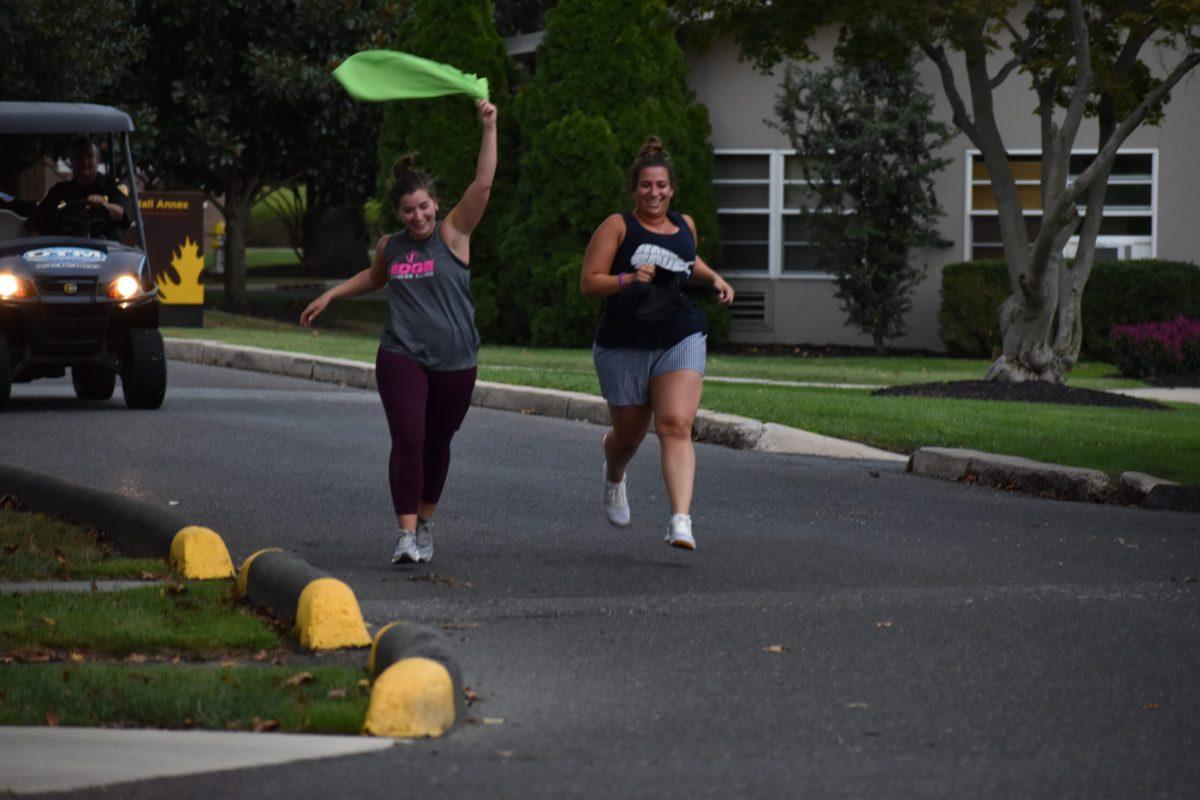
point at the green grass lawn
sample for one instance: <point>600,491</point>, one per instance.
<point>35,547</point>
<point>1166,444</point>
<point>261,257</point>
<point>221,697</point>
<point>194,618</point>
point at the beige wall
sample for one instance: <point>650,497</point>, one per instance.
<point>802,310</point>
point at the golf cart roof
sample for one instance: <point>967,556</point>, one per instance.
<point>26,118</point>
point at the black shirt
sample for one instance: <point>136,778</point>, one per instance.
<point>45,217</point>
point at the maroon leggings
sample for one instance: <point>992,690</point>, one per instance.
<point>424,408</point>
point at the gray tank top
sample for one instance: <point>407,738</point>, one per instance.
<point>431,316</point>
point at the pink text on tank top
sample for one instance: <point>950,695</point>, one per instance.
<point>412,267</point>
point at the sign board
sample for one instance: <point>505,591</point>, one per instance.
<point>174,223</point>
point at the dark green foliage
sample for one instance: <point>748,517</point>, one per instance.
<point>232,101</point>
<point>609,74</point>
<point>557,206</point>
<point>43,55</point>
<point>1117,292</point>
<point>445,131</point>
<point>864,136</point>
<point>968,317</point>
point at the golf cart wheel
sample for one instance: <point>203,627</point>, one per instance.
<point>144,369</point>
<point>93,381</point>
<point>5,373</point>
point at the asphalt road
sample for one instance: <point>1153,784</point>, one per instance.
<point>937,640</point>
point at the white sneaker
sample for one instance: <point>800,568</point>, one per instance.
<point>425,540</point>
<point>406,549</point>
<point>679,532</point>
<point>616,504</point>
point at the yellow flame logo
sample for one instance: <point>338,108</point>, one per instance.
<point>187,264</point>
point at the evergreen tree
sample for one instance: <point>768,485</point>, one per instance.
<point>445,131</point>
<point>610,73</point>
<point>864,137</point>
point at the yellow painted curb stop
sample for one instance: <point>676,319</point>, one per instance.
<point>328,617</point>
<point>200,554</point>
<point>413,698</point>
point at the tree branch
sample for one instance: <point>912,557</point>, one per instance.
<point>1103,160</point>
<point>959,109</point>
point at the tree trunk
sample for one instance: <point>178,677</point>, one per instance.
<point>334,240</point>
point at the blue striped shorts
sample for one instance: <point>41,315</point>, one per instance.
<point>625,372</point>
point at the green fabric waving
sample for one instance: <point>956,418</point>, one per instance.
<point>378,75</point>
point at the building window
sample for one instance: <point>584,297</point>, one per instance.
<point>761,197</point>
<point>1126,228</point>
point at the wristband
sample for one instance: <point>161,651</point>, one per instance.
<point>620,285</point>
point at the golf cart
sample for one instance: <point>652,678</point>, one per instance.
<point>72,295</point>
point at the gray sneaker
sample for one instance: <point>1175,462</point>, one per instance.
<point>406,549</point>
<point>425,540</point>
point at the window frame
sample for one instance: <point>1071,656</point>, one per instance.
<point>1121,242</point>
<point>775,212</point>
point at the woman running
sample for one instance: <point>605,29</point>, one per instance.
<point>650,344</point>
<point>426,363</point>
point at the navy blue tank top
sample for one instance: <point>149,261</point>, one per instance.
<point>675,252</point>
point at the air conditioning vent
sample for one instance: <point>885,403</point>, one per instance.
<point>749,309</point>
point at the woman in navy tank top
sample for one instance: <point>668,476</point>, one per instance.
<point>650,344</point>
<point>426,363</point>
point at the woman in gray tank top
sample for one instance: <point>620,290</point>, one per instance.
<point>425,365</point>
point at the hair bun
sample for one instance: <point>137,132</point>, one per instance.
<point>404,163</point>
<point>652,147</point>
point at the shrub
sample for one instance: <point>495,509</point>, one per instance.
<point>1148,349</point>
<point>1117,292</point>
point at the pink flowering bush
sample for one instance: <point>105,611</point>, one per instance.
<point>1147,349</point>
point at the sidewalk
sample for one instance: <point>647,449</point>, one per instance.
<point>67,759</point>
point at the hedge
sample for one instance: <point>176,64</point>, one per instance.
<point>1118,292</point>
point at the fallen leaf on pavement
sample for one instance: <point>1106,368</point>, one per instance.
<point>265,725</point>
<point>299,678</point>
<point>775,648</point>
<point>471,697</point>
<point>857,705</point>
<point>886,623</point>
<point>1152,706</point>
<point>493,720</point>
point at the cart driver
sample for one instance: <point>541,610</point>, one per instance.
<point>88,204</point>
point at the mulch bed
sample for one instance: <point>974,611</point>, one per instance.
<point>1027,392</point>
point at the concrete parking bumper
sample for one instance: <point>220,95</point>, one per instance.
<point>138,528</point>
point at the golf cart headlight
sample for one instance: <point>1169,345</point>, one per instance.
<point>124,288</point>
<point>11,286</point>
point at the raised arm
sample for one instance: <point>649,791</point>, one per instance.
<point>464,217</point>
<point>370,279</point>
<point>703,272</point>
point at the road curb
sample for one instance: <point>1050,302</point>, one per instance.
<point>711,427</point>
<point>416,683</point>
<point>323,610</point>
<point>1053,480</point>
<point>137,527</point>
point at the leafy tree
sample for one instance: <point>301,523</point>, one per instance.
<point>43,55</point>
<point>240,103</point>
<point>445,130</point>
<point>1112,60</point>
<point>863,136</point>
<point>612,65</point>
